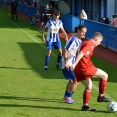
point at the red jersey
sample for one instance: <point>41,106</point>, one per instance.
<point>85,68</point>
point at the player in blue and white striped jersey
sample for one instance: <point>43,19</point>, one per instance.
<point>70,50</point>
<point>54,24</point>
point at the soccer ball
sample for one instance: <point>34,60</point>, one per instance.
<point>112,107</point>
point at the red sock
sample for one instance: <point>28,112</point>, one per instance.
<point>102,87</point>
<point>86,96</point>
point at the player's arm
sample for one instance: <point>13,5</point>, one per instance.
<point>66,58</point>
<point>43,35</point>
<point>63,31</point>
<point>43,31</point>
<point>79,56</point>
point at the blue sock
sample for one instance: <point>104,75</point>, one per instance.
<point>59,58</point>
<point>65,95</point>
<point>68,94</point>
<point>47,58</point>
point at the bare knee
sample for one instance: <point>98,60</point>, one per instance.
<point>70,81</point>
<point>87,83</point>
<point>105,76</point>
<point>89,86</point>
<point>75,81</point>
<point>48,53</point>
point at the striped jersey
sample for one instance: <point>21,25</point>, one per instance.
<point>53,30</point>
<point>72,46</point>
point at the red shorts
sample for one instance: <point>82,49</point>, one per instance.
<point>85,74</point>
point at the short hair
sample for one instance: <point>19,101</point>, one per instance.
<point>97,34</point>
<point>79,27</point>
<point>56,12</point>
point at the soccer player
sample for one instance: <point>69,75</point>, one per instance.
<point>85,70</point>
<point>53,25</point>
<point>46,14</point>
<point>71,47</point>
<point>13,9</point>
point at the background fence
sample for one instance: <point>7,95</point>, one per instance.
<point>108,31</point>
<point>30,11</point>
<point>69,21</point>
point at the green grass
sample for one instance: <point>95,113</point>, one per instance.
<point>26,90</point>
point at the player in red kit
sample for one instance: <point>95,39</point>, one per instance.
<point>85,70</point>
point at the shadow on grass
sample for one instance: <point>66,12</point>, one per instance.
<point>48,107</point>
<point>15,68</point>
<point>42,107</point>
<point>34,54</point>
<point>29,99</point>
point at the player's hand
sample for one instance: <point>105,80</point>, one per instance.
<point>66,39</point>
<point>72,67</point>
<point>66,65</point>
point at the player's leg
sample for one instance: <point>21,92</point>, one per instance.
<point>47,57</point>
<point>69,75</point>
<point>57,45</point>
<point>16,15</point>
<point>68,95</point>
<point>12,14</point>
<point>68,84</point>
<point>73,86</point>
<point>86,95</point>
<point>70,88</point>
<point>42,23</point>
<point>59,57</point>
<point>102,85</point>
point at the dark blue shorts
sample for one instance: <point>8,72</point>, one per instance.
<point>68,74</point>
<point>57,45</point>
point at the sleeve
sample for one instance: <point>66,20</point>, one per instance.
<point>69,44</point>
<point>61,25</point>
<point>87,49</point>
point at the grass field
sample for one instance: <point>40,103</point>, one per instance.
<point>26,90</point>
